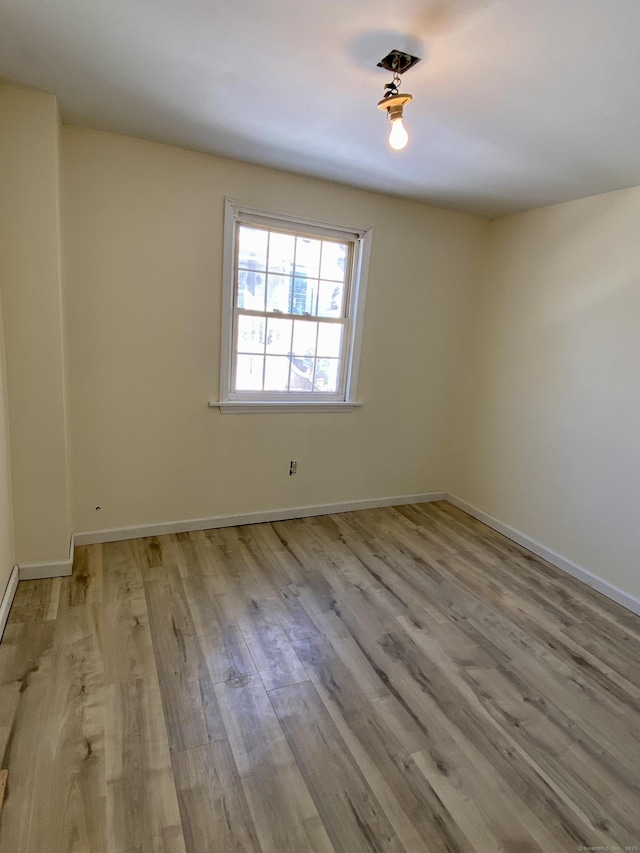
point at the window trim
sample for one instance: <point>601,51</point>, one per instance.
<point>231,402</point>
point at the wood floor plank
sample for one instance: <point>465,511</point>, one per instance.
<point>466,796</point>
<point>4,774</point>
<point>358,598</point>
<point>25,666</point>
<point>497,625</point>
<point>128,651</point>
<point>291,614</point>
<point>70,788</point>
<point>284,815</point>
<point>54,601</point>
<point>519,603</point>
<point>314,592</point>
<point>553,592</point>
<point>567,589</point>
<point>35,601</point>
<point>190,707</point>
<point>492,811</point>
<point>412,577</point>
<point>414,696</point>
<point>223,645</point>
<point>603,717</point>
<point>341,558</point>
<point>348,807</point>
<point>152,551</point>
<point>142,811</point>
<point>603,789</point>
<point>257,614</point>
<point>387,573</point>
<point>213,806</point>
<point>413,808</point>
<point>84,586</point>
<point>443,697</point>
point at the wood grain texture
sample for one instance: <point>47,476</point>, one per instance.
<point>190,706</point>
<point>284,813</point>
<point>84,586</point>
<point>70,806</point>
<point>128,650</point>
<point>258,613</point>
<point>4,774</point>
<point>25,680</point>
<point>349,809</point>
<point>36,601</point>
<point>397,679</point>
<point>141,802</point>
<point>213,805</point>
<point>223,644</point>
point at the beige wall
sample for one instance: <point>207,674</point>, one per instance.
<point>31,289</point>
<point>142,249</point>
<point>549,438</point>
<point>7,548</point>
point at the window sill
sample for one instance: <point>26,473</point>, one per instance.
<point>246,407</point>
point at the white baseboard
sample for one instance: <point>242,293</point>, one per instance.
<point>58,569</point>
<point>557,560</point>
<point>7,599</point>
<point>93,537</point>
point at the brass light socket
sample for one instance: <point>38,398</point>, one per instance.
<point>394,105</point>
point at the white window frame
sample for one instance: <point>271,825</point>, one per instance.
<point>237,402</point>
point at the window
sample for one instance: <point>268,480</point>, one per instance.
<point>292,313</point>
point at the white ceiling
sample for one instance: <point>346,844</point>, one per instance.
<point>517,103</point>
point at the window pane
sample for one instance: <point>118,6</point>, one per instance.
<point>304,337</point>
<point>279,336</point>
<point>334,261</point>
<point>251,290</point>
<point>330,299</point>
<point>308,257</point>
<point>250,334</point>
<point>249,372</point>
<point>276,373</point>
<point>301,374</point>
<point>326,378</point>
<point>329,340</point>
<point>278,293</point>
<point>252,248</point>
<point>281,252</point>
<point>305,292</point>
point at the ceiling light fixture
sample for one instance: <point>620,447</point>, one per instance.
<point>394,100</point>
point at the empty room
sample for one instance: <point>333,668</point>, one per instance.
<point>319,426</point>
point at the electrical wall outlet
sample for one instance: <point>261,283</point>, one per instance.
<point>293,468</point>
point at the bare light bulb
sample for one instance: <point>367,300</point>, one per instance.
<point>398,136</point>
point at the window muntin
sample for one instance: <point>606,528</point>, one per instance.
<point>291,317</point>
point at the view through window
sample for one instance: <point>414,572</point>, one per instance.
<point>291,300</point>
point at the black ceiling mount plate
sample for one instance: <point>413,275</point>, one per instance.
<point>398,61</point>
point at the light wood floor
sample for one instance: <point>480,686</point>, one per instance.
<point>386,680</point>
